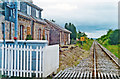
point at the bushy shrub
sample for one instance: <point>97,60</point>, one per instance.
<point>43,37</point>
<point>29,37</point>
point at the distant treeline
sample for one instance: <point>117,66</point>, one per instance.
<point>71,27</point>
<point>112,37</point>
<point>75,36</point>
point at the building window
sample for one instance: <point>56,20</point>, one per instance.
<point>10,36</point>
<point>28,10</point>
<point>21,32</point>
<point>39,34</point>
<point>46,36</point>
<point>37,13</point>
<point>60,37</point>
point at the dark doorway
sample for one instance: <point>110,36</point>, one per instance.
<point>39,34</point>
<point>21,32</point>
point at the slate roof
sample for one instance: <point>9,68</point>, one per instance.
<point>31,18</point>
<point>33,5</point>
<point>57,26</point>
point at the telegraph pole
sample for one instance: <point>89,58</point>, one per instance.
<point>16,22</point>
<point>12,6</point>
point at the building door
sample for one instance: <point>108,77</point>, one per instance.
<point>21,32</point>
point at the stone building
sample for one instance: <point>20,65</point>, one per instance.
<point>29,23</point>
<point>58,35</point>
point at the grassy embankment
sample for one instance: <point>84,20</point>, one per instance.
<point>86,44</point>
<point>112,48</point>
<point>108,41</point>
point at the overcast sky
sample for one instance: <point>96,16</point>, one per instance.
<point>94,17</point>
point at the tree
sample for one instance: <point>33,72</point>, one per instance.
<point>110,31</point>
<point>29,37</point>
<point>81,34</point>
<point>72,28</point>
<point>114,37</point>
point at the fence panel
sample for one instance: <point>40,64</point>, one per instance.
<point>51,59</point>
<point>17,61</point>
<point>25,61</point>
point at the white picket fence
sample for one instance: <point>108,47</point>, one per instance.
<point>24,61</point>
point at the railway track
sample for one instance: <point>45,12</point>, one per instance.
<point>101,64</point>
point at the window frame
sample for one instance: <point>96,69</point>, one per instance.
<point>37,13</point>
<point>28,9</point>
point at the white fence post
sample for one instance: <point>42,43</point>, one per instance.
<point>40,60</point>
<point>24,62</point>
<point>27,59</point>
<point>2,59</point>
<point>30,61</point>
<point>6,58</point>
<point>18,60</point>
<point>15,60</point>
<point>12,60</point>
<point>21,61</point>
<point>37,61</point>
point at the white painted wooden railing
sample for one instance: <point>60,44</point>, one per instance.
<point>24,61</point>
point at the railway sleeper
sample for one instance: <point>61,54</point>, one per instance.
<point>85,75</point>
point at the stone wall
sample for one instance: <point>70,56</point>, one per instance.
<point>62,38</point>
<point>1,20</point>
<point>25,24</point>
<point>54,36</point>
<point>7,29</point>
<point>65,38</point>
<point>9,32</point>
<point>37,27</point>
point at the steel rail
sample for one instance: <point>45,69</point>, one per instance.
<point>94,55</point>
<point>109,55</point>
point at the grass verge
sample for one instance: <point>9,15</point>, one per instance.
<point>113,49</point>
<point>86,45</point>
